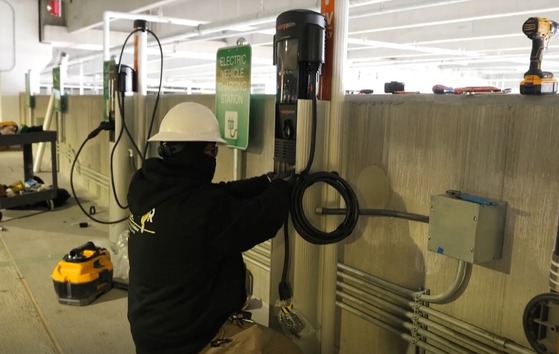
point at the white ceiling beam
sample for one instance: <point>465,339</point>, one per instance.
<point>82,14</point>
<point>60,37</point>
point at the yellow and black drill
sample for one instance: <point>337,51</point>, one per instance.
<point>537,82</point>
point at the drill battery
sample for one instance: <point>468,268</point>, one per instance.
<point>84,274</point>
<point>542,83</point>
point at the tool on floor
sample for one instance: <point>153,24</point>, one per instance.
<point>84,274</point>
<point>537,82</point>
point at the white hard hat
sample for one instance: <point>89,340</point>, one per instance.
<point>189,121</point>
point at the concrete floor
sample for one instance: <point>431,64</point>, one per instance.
<point>33,242</point>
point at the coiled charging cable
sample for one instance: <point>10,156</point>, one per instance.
<point>306,179</point>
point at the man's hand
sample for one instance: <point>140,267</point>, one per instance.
<point>289,176</point>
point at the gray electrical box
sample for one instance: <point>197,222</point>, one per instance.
<point>469,230</point>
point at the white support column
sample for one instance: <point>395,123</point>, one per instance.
<point>329,254</point>
<point>306,255</point>
<point>141,68</point>
<point>81,79</point>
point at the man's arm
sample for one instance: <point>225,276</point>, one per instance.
<point>246,188</point>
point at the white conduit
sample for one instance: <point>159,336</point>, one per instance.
<point>87,173</point>
<point>443,343</point>
<point>474,338</point>
<point>464,345</point>
<point>446,296</point>
<point>256,263</point>
<point>391,329</point>
<point>483,335</point>
<point>463,340</point>
<point>265,261</point>
<point>420,295</point>
<point>71,155</point>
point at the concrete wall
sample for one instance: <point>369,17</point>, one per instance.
<point>501,147</point>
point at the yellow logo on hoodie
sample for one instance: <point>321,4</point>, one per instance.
<point>145,222</point>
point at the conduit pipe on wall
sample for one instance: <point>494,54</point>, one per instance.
<point>405,336</point>
<point>89,174</point>
<point>483,335</point>
<point>451,338</point>
<point>444,344</point>
<point>442,298</point>
<point>448,295</point>
<point>397,294</point>
<point>71,155</point>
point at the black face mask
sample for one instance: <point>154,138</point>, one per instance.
<point>193,160</point>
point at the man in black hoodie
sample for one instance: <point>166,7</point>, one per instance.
<point>187,276</point>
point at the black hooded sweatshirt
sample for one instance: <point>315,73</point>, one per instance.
<point>186,237</point>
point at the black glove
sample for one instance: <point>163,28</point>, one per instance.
<point>288,176</point>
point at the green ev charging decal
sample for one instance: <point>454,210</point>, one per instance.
<point>232,97</point>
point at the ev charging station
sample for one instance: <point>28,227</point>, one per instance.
<point>298,53</point>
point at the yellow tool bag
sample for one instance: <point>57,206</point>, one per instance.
<point>83,275</point>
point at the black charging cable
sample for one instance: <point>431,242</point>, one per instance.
<point>103,126</point>
<point>305,180</point>
<point>110,125</point>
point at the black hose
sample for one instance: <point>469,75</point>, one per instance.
<point>304,227</point>
<point>90,136</point>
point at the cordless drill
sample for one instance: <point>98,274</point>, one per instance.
<point>537,82</point>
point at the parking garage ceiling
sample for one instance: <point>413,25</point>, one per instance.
<point>478,38</point>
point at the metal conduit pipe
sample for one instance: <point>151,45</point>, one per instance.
<point>405,336</point>
<point>438,299</point>
<point>263,251</point>
<point>477,333</point>
<point>457,338</point>
<point>441,341</point>
<point>483,335</point>
<point>92,178</point>
<point>257,257</point>
<point>453,347</point>
<point>397,289</point>
<point>375,289</point>
<point>385,304</point>
<point>447,295</point>
<point>71,154</point>
<point>387,317</point>
<point>87,173</point>
<point>460,338</point>
<point>256,263</point>
<point>465,346</point>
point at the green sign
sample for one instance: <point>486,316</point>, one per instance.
<point>109,81</point>
<point>232,96</point>
<point>57,90</point>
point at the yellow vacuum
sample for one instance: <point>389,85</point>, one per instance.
<point>84,274</point>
